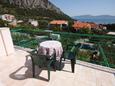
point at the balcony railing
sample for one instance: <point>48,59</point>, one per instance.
<point>105,44</point>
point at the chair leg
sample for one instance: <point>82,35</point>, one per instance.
<point>33,70</point>
<point>73,65</point>
<point>64,58</point>
<point>60,63</point>
<point>48,73</point>
<point>54,65</point>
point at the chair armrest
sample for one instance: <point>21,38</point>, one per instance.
<point>69,45</point>
<point>33,52</point>
<point>73,49</point>
<point>71,53</point>
<point>49,63</point>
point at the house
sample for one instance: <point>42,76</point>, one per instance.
<point>93,25</point>
<point>59,24</point>
<point>20,21</point>
<point>8,17</point>
<point>102,27</point>
<point>13,23</point>
<point>33,22</point>
<point>111,33</point>
<point>88,25</point>
<point>81,25</point>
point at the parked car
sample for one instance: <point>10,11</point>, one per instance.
<point>87,52</point>
<point>88,47</point>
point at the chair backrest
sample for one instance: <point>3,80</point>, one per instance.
<point>42,38</point>
<point>71,52</point>
<point>41,60</point>
<point>55,37</point>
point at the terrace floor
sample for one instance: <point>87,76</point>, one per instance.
<point>15,70</point>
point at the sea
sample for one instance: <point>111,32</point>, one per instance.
<point>98,21</point>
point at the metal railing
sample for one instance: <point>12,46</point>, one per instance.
<point>105,44</point>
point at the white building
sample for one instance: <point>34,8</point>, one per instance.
<point>33,22</point>
<point>8,17</point>
<point>111,33</point>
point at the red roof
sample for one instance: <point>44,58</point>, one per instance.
<point>80,25</point>
<point>93,25</point>
<point>59,22</point>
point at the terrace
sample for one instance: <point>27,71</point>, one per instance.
<point>16,69</point>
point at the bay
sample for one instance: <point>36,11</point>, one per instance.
<point>98,21</point>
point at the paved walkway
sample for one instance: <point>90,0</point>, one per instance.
<point>15,70</point>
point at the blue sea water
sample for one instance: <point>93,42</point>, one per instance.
<point>99,21</point>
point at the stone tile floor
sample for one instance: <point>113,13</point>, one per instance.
<point>15,70</point>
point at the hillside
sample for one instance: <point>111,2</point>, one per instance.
<point>37,9</point>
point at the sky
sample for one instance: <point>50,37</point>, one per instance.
<point>86,7</point>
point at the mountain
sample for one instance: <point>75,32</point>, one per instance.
<point>41,8</point>
<point>33,4</point>
<point>94,17</point>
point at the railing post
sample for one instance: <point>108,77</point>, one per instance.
<point>103,55</point>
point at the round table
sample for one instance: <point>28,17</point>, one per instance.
<point>47,47</point>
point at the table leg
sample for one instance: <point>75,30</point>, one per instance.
<point>73,65</point>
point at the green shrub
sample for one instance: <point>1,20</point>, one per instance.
<point>3,23</point>
<point>85,31</point>
<point>84,56</point>
<point>43,24</point>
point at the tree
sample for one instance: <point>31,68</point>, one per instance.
<point>85,31</point>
